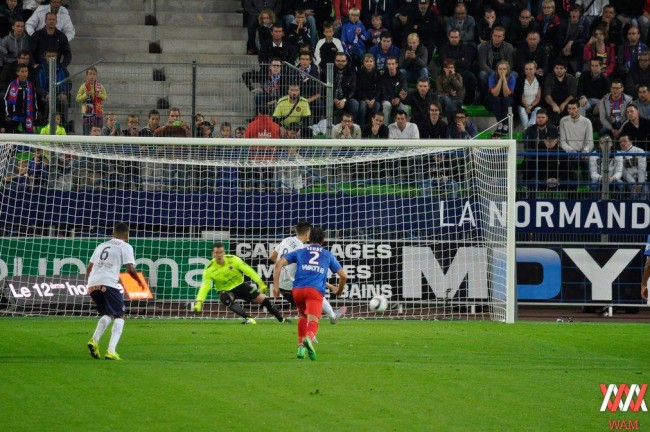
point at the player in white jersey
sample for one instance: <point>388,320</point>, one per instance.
<point>103,275</point>
<point>287,276</point>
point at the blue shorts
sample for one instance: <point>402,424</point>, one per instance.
<point>109,300</point>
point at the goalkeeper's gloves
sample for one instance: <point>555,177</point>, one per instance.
<point>264,289</point>
<point>198,306</point>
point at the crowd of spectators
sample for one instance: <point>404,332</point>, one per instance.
<point>31,33</point>
<point>401,69</point>
<point>578,70</point>
<point>381,50</point>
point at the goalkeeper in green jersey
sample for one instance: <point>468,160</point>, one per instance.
<point>226,273</point>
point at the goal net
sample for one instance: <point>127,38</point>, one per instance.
<point>427,224</point>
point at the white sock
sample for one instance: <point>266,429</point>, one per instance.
<point>116,332</point>
<point>103,323</point>
<point>327,309</point>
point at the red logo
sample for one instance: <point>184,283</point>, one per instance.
<point>622,397</point>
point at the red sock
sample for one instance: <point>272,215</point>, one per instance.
<point>312,329</point>
<point>302,328</point>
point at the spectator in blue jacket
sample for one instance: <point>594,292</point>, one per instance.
<point>383,50</point>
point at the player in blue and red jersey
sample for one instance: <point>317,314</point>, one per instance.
<point>312,265</point>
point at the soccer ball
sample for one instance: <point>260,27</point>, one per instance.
<point>378,304</point>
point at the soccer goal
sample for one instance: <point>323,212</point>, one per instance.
<point>429,224</point>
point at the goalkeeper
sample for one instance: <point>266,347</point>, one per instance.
<point>226,273</point>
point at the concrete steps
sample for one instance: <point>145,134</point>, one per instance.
<point>105,45</point>
<point>169,46</point>
<point>207,90</point>
<point>86,58</point>
<point>106,6</point>
<point>201,46</point>
<point>174,73</point>
<point>119,17</point>
<point>153,33</point>
<point>208,32</point>
<point>199,19</point>
<point>208,6</point>
<point>210,104</point>
<point>198,6</point>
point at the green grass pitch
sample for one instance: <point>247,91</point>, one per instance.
<point>190,375</point>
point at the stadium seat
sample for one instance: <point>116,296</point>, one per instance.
<point>477,111</point>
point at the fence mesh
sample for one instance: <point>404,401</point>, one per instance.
<point>221,93</point>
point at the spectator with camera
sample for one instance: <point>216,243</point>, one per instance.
<point>413,59</point>
<point>175,127</point>
<point>450,88</point>
<point>463,55</point>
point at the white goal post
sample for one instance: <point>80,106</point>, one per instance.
<point>427,223</point>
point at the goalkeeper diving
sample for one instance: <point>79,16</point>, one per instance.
<point>226,273</point>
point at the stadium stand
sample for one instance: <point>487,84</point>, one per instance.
<point>135,53</point>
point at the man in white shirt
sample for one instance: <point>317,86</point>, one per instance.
<point>402,128</point>
<point>606,166</point>
<point>63,21</point>
<point>103,273</point>
<point>634,168</point>
<point>288,274</point>
<point>594,8</point>
<point>576,136</point>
